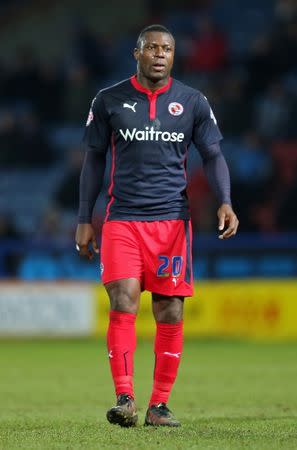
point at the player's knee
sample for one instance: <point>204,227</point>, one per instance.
<point>169,317</point>
<point>172,312</point>
<point>122,300</point>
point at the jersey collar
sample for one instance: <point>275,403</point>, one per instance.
<point>140,88</point>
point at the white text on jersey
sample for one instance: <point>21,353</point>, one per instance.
<point>149,134</point>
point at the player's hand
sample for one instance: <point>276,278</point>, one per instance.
<point>227,218</point>
<point>85,239</point>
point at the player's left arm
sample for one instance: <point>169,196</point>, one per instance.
<point>217,172</point>
<point>206,137</point>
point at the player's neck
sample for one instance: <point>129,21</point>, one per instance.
<point>151,85</point>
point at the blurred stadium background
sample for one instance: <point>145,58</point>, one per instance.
<point>54,57</point>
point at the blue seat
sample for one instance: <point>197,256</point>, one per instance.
<point>38,267</point>
<point>233,267</point>
<point>73,268</point>
<point>200,268</point>
<point>277,266</point>
<point>243,21</point>
<point>65,137</point>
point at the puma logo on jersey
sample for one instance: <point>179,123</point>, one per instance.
<point>174,280</point>
<point>175,355</point>
<point>126,105</point>
<point>110,355</point>
<point>150,134</point>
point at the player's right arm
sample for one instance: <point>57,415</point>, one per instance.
<point>96,141</point>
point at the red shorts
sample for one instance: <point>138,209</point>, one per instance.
<point>158,254</point>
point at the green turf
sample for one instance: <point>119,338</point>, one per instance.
<point>54,394</point>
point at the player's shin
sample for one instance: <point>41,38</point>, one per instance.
<point>168,350</point>
<point>121,344</point>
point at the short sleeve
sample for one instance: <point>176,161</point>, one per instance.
<point>98,131</point>
<point>206,130</point>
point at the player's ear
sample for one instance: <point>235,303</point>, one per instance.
<point>136,53</point>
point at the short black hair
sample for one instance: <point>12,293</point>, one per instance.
<point>148,29</point>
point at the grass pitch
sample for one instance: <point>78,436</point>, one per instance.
<point>54,395</point>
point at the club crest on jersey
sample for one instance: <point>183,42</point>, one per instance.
<point>90,118</point>
<point>176,109</point>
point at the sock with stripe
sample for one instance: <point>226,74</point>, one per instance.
<point>121,345</point>
<point>168,350</point>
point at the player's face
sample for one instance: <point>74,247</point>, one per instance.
<point>155,56</point>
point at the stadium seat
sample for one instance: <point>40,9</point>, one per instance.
<point>277,266</point>
<point>285,156</point>
<point>200,268</point>
<point>233,267</point>
<point>34,189</point>
<point>243,21</point>
<point>38,267</point>
<point>65,137</point>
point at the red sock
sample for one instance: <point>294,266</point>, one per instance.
<point>121,344</point>
<point>168,350</point>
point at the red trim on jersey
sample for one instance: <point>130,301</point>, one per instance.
<point>152,96</point>
<point>110,189</point>
<point>185,168</point>
<point>185,162</point>
<point>153,109</point>
<point>141,88</point>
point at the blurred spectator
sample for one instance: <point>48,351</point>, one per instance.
<point>208,48</point>
<point>66,196</point>
<point>284,46</point>
<point>287,214</point>
<point>261,65</point>
<point>285,157</point>
<point>23,83</point>
<point>232,117</point>
<point>3,77</point>
<point>50,225</point>
<point>22,142</point>
<point>11,143</point>
<point>77,95</point>
<point>272,112</point>
<point>8,260</point>
<point>36,150</point>
<point>90,50</point>
<point>249,162</point>
<point>122,52</point>
<point>7,228</point>
<point>250,167</point>
<point>271,56</point>
<point>51,93</point>
<point>285,10</point>
<point>202,202</point>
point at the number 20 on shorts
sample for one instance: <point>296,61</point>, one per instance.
<point>170,267</point>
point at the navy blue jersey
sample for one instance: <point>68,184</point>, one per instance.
<point>148,134</point>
